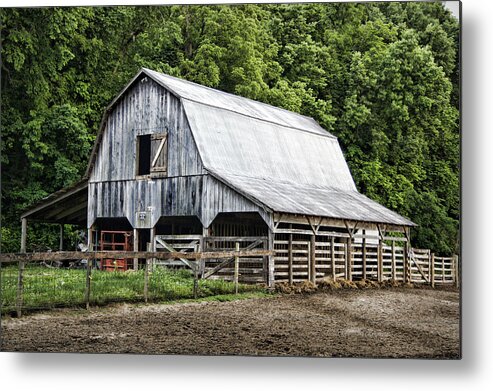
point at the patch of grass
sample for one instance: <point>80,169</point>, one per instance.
<point>50,288</point>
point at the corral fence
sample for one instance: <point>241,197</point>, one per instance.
<point>30,281</point>
<point>301,257</point>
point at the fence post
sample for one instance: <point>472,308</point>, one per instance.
<point>20,277</point>
<point>332,258</point>
<point>88,282</point>
<point>146,276</point>
<point>443,269</point>
<point>237,267</point>
<point>313,270</point>
<point>432,270</point>
<point>456,270</point>
<point>20,289</point>
<point>290,259</point>
<point>136,248</point>
<point>195,273</point>
<point>380,261</point>
<point>364,254</point>
<point>394,266</point>
<point>405,259</point>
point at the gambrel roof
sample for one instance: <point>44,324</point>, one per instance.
<point>282,160</point>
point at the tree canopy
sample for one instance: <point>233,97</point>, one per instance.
<point>382,77</point>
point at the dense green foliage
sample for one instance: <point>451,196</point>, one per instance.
<point>382,77</point>
<point>54,287</point>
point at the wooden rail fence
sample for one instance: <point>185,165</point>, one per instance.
<point>193,259</point>
<point>337,258</point>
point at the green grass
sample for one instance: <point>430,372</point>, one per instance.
<point>50,288</point>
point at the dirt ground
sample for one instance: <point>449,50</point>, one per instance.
<point>417,323</point>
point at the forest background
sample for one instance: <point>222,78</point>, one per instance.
<point>383,77</point>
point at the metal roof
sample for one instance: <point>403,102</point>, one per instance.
<point>233,103</point>
<point>288,197</point>
<point>284,160</point>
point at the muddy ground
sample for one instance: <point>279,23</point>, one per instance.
<point>344,323</point>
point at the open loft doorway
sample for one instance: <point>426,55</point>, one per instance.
<point>179,225</point>
<point>238,224</point>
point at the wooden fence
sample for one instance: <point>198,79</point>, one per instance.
<point>300,257</point>
<point>192,258</point>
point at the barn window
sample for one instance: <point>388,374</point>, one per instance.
<point>143,154</point>
<point>152,154</point>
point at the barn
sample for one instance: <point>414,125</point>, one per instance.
<point>177,166</point>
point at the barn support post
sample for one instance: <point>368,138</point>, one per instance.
<point>136,248</point>
<point>380,255</point>
<point>20,277</point>
<point>270,280</point>
<point>349,260</point>
<point>237,267</point>
<point>313,269</point>
<point>153,245</point>
<point>205,234</point>
<point>394,266</point>
<point>364,254</point>
<point>60,246</point>
<point>290,258</point>
<point>332,258</point>
<point>407,264</point>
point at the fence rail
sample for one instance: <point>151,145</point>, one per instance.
<point>76,287</point>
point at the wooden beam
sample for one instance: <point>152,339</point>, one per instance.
<point>349,260</point>
<point>393,262</point>
<point>64,255</point>
<point>364,255</point>
<point>60,246</point>
<point>432,270</point>
<point>23,235</point>
<point>136,248</point>
<point>313,269</point>
<point>237,268</point>
<point>276,224</point>
<point>248,249</point>
<point>270,281</point>
<point>332,258</point>
<point>290,259</point>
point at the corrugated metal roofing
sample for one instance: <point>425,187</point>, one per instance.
<point>232,143</point>
<point>284,160</point>
<point>323,201</point>
<point>234,103</point>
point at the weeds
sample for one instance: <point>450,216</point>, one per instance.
<point>50,288</point>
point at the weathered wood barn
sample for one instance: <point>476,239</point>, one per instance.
<point>181,166</point>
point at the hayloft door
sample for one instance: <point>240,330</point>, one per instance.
<point>159,153</point>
